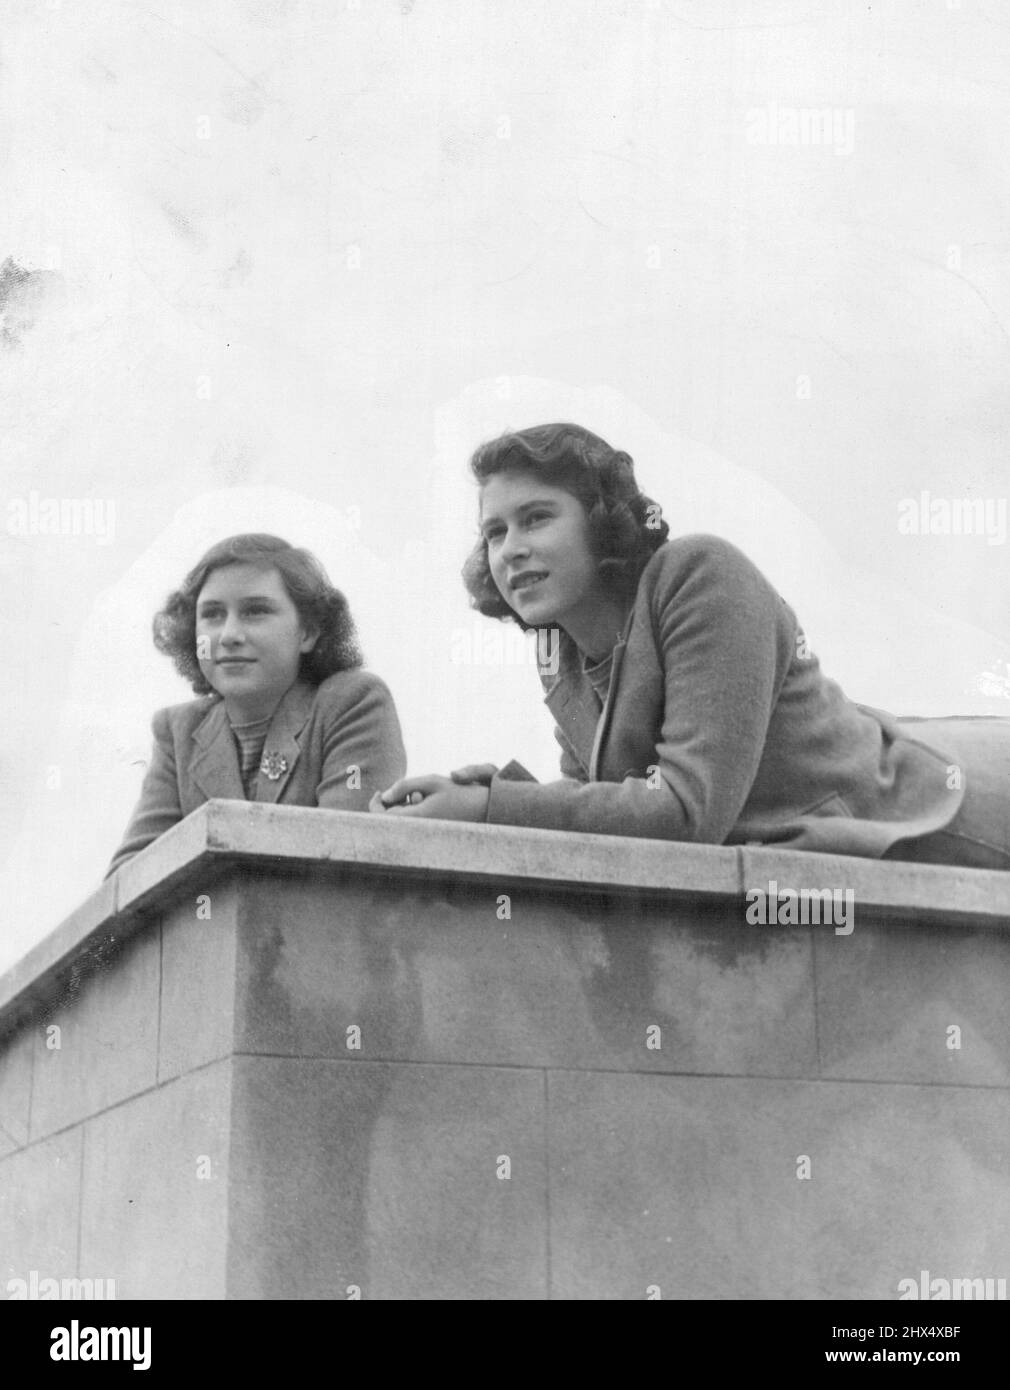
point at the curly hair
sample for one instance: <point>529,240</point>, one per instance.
<point>319,605</point>
<point>625,526</point>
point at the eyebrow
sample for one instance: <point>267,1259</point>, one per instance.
<point>523,507</point>
<point>247,598</point>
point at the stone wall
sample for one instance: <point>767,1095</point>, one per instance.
<point>300,1054</point>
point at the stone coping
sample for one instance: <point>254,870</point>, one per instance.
<point>222,833</point>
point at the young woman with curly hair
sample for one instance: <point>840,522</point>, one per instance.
<point>285,714</point>
<point>686,701</point>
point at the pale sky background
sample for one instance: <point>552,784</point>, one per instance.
<point>295,259</point>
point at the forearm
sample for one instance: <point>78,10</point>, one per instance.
<point>631,808</point>
<point>158,807</point>
<point>145,827</point>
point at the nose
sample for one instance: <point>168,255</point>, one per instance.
<point>231,632</point>
<point>514,546</point>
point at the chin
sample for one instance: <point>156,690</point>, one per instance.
<point>540,610</point>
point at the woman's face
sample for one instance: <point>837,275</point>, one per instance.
<point>538,550</point>
<point>249,637</point>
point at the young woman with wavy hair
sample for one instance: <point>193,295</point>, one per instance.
<point>285,713</point>
<point>687,703</point>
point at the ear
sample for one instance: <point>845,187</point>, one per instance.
<point>310,636</point>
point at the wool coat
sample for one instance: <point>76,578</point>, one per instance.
<point>318,734</point>
<point>719,727</point>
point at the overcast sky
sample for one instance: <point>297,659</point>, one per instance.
<point>281,266</point>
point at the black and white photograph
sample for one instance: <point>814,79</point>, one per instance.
<point>505,774</point>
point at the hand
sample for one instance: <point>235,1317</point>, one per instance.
<point>441,799</point>
<point>474,772</point>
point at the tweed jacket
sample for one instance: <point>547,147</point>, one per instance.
<point>321,732</point>
<point>719,727</point>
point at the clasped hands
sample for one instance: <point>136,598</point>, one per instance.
<point>463,795</point>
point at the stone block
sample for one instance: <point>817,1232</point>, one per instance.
<point>545,858</point>
<point>28,984</point>
<point>39,1207</point>
<point>431,971</point>
<point>890,889</point>
<point>151,878</point>
<point>15,1088</point>
<point>197,981</point>
<point>889,997</point>
<point>154,1203</point>
<point>107,1018</point>
<point>385,1179</point>
<point>690,1186</point>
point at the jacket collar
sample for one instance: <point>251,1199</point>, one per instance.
<point>572,700</point>
<point>214,766</point>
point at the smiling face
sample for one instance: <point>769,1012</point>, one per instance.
<point>249,638</point>
<point>540,555</point>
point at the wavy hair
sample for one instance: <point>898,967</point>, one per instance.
<point>625,526</point>
<point>319,605</point>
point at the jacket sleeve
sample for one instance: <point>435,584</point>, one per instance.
<point>159,807</point>
<point>725,640</point>
<point>363,746</point>
<point>570,765</point>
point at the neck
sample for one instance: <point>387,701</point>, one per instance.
<point>596,632</point>
<point>239,721</point>
<point>251,711</point>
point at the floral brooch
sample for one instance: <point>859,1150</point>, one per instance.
<point>274,765</point>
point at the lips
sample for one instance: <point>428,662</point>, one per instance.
<point>235,660</point>
<point>526,580</point>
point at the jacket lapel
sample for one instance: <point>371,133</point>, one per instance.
<point>573,703</point>
<point>574,714</point>
<point>603,724</point>
<point>214,766</point>
<point>281,748</point>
